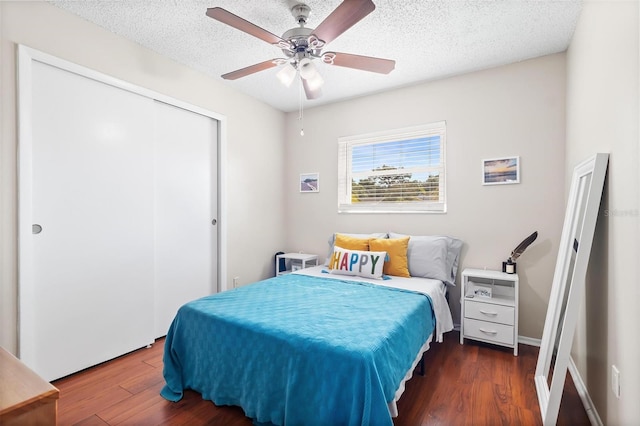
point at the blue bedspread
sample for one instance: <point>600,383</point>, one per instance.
<point>298,350</point>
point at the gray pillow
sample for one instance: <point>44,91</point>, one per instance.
<point>433,257</point>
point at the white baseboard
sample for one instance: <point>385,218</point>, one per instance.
<point>529,341</point>
<point>592,413</point>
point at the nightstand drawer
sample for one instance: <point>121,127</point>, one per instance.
<point>489,312</point>
<point>489,331</point>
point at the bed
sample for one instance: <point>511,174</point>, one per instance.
<point>310,347</point>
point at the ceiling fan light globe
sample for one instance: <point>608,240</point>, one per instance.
<point>307,69</point>
<point>315,82</point>
<point>286,75</point>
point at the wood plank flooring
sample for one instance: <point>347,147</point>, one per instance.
<point>470,384</point>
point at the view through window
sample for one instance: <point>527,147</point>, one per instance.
<point>396,171</point>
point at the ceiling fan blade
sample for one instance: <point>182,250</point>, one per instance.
<point>237,22</point>
<point>311,93</point>
<point>365,63</point>
<point>243,72</point>
<point>349,13</point>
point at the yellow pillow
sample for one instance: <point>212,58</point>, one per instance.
<point>396,248</point>
<point>351,243</point>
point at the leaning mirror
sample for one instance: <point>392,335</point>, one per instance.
<point>568,283</point>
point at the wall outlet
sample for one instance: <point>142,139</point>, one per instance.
<point>615,381</point>
<point>236,281</point>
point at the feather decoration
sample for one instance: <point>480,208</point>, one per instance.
<point>522,246</point>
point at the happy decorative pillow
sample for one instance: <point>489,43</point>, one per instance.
<point>366,264</point>
<point>332,241</point>
<point>396,248</point>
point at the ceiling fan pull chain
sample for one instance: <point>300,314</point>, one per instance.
<point>301,108</point>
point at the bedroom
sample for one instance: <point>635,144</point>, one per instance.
<point>551,111</point>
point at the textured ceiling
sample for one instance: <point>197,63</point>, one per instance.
<point>427,39</point>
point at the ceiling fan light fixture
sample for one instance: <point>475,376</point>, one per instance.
<point>315,82</point>
<point>301,45</point>
<point>307,69</point>
<point>286,75</point>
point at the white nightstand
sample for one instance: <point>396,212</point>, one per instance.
<point>295,261</point>
<point>489,319</point>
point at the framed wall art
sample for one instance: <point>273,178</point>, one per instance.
<point>310,182</point>
<point>500,171</point>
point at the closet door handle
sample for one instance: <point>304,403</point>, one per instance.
<point>214,222</point>
<point>36,229</point>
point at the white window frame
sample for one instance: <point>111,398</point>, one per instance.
<point>345,148</point>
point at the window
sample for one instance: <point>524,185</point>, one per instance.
<point>400,171</point>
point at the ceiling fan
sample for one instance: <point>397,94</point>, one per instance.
<point>302,45</point>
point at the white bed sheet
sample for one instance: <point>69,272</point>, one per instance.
<point>435,289</point>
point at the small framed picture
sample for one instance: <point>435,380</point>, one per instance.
<point>500,171</point>
<point>482,291</point>
<point>310,182</point>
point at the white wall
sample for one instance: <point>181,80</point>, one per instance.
<point>602,116</point>
<point>512,110</point>
<point>255,152</point>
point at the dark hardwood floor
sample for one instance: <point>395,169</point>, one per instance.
<point>470,384</point>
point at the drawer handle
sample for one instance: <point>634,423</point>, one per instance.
<point>488,313</point>
<point>488,331</point>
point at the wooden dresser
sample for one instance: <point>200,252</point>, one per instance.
<point>25,398</point>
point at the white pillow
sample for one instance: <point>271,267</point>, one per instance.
<point>366,264</point>
<point>433,257</point>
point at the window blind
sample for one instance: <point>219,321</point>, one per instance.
<point>396,171</point>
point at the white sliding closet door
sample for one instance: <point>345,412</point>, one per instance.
<point>186,202</point>
<point>118,210</point>
<point>89,293</point>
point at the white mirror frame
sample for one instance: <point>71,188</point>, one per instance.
<point>568,283</point>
